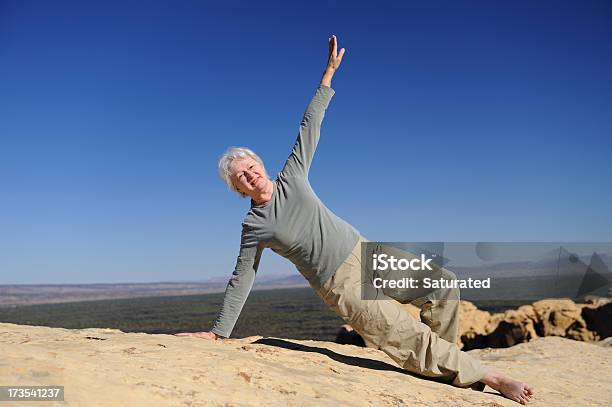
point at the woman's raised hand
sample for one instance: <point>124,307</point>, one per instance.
<point>334,58</point>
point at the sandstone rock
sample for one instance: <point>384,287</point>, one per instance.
<point>472,321</point>
<point>561,317</point>
<point>605,342</point>
<point>102,367</point>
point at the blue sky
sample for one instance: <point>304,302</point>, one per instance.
<point>452,121</point>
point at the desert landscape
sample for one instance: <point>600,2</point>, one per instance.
<point>109,367</point>
<point>12,295</point>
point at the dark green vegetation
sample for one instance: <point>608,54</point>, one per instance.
<point>296,313</point>
<point>293,313</point>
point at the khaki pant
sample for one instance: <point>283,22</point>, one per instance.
<point>427,348</point>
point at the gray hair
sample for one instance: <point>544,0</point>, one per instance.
<point>226,160</point>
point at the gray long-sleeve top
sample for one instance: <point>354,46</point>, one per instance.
<point>294,224</point>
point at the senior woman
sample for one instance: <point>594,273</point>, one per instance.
<point>287,217</point>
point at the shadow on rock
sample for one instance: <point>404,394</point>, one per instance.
<point>348,360</point>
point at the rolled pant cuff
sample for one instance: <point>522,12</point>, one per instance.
<point>473,383</point>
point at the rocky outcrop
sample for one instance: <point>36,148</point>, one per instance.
<point>473,322</point>
<point>550,317</point>
<point>478,329</point>
<point>106,367</point>
<point>561,318</point>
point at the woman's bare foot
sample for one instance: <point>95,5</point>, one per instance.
<point>513,389</point>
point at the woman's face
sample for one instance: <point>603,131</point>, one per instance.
<point>248,176</point>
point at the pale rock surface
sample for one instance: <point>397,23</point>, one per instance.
<point>473,321</point>
<point>562,317</point>
<point>105,367</point>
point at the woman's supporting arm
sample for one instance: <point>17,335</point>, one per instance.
<point>237,290</point>
<point>239,286</point>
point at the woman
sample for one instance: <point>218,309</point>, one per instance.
<point>287,216</point>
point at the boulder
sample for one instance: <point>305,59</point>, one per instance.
<point>561,317</point>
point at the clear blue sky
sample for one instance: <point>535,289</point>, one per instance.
<point>452,121</point>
